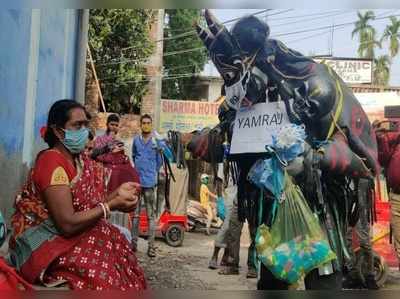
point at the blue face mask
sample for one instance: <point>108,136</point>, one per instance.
<point>3,230</point>
<point>75,141</point>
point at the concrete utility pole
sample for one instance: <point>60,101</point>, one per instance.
<point>331,39</point>
<point>152,100</point>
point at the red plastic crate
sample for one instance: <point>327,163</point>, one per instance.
<point>382,211</point>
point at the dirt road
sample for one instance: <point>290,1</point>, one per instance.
<point>186,267</point>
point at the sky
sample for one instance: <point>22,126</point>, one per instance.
<point>285,22</point>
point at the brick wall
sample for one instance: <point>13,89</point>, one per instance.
<point>129,124</point>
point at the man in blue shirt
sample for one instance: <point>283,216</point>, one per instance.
<point>147,155</point>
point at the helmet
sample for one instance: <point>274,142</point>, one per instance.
<point>204,176</point>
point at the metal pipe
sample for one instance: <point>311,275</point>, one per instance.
<point>81,44</point>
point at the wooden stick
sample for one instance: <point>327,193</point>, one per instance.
<point>95,78</point>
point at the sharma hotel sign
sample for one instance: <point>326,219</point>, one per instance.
<point>187,116</point>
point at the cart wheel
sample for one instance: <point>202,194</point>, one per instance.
<point>192,227</point>
<point>174,235</point>
<point>381,268</point>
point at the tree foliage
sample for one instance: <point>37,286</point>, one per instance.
<point>368,43</point>
<point>366,35</point>
<point>181,67</point>
<point>381,70</point>
<point>120,44</point>
<point>392,34</point>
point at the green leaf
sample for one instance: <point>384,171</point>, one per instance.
<point>111,31</point>
<point>180,69</point>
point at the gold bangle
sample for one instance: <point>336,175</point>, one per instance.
<point>107,209</point>
<point>104,210</point>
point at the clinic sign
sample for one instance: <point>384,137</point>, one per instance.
<point>254,127</point>
<point>187,116</point>
<point>352,71</point>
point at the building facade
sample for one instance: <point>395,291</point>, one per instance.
<point>42,60</point>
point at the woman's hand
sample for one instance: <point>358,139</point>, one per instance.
<point>118,148</point>
<point>127,190</point>
<point>126,198</point>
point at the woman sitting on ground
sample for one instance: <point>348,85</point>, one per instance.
<point>60,228</point>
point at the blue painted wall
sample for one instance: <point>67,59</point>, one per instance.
<point>56,61</point>
<point>38,55</point>
<point>14,38</point>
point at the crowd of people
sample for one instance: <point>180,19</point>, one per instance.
<point>61,233</point>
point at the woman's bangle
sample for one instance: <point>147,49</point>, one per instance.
<point>104,210</point>
<point>107,209</point>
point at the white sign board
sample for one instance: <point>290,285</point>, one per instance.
<point>254,127</point>
<point>374,103</point>
<point>351,71</point>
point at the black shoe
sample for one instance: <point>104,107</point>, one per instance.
<point>352,283</point>
<point>251,273</point>
<point>213,264</point>
<point>151,252</point>
<point>370,282</point>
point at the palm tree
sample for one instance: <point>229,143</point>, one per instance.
<point>382,70</point>
<point>366,35</point>
<point>367,47</point>
<point>392,33</point>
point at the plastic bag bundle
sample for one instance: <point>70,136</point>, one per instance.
<point>295,244</point>
<point>288,142</point>
<point>268,174</point>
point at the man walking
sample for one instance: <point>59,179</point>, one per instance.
<point>147,156</point>
<point>363,276</point>
<point>233,243</point>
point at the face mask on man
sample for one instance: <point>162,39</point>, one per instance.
<point>147,128</point>
<point>75,140</point>
<point>205,181</point>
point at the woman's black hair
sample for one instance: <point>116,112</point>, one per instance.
<point>91,136</point>
<point>88,115</point>
<point>59,114</point>
<point>113,118</point>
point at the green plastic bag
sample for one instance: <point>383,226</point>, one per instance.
<point>295,244</point>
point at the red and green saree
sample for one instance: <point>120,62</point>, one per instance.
<point>100,258</point>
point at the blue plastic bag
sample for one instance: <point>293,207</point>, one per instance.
<point>269,175</point>
<point>168,153</point>
<point>221,208</point>
<point>288,142</point>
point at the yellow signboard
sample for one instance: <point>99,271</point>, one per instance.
<point>187,116</point>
